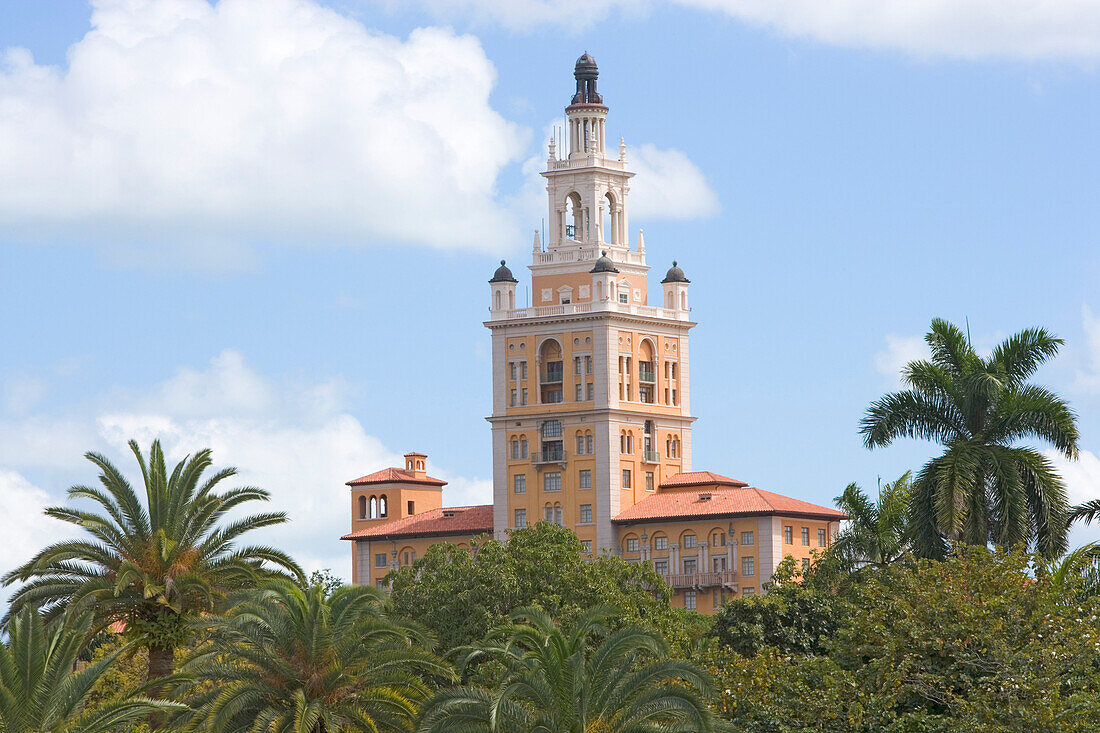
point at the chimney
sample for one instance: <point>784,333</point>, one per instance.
<point>415,463</point>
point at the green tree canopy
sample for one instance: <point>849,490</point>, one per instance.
<point>587,680</point>
<point>41,690</point>
<point>310,661</point>
<point>156,561</point>
<point>462,594</point>
<point>985,487</point>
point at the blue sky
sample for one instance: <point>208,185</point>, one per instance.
<point>226,231</point>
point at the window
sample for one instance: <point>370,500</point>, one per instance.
<point>689,600</point>
<point>576,365</point>
<point>691,565</point>
<point>514,449</point>
<point>649,480</point>
<point>523,447</point>
<point>626,478</point>
<point>806,536</point>
<point>586,547</point>
<point>591,392</point>
<point>588,365</point>
<point>519,483</point>
<point>689,542</point>
<point>548,513</point>
<point>586,478</point>
<point>381,584</point>
<point>624,297</point>
<point>750,591</point>
<point>523,371</point>
<point>588,441</point>
<point>661,567</point>
<point>405,559</point>
<point>632,544</point>
<point>380,560</point>
<point>788,536</point>
<point>551,481</point>
<point>718,539</point>
<point>586,513</point>
<point>551,429</point>
<point>557,514</point>
<point>580,444</point>
<point>412,508</point>
<point>746,538</point>
<point>578,392</point>
<point>362,507</point>
<point>523,396</point>
<point>748,566</point>
<point>513,401</point>
<point>383,506</point>
<point>521,518</point>
<point>674,402</point>
<point>660,543</point>
<point>512,368</point>
<point>805,565</point>
<point>820,538</point>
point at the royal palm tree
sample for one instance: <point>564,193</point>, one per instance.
<point>584,681</point>
<point>877,534</point>
<point>156,564</point>
<point>1076,576</point>
<point>40,691</point>
<point>985,487</point>
<point>305,662</point>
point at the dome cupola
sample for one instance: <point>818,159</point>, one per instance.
<point>504,275</point>
<point>675,275</point>
<point>586,73</point>
<point>604,264</point>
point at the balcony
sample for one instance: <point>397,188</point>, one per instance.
<point>646,376</point>
<point>651,456</point>
<point>723,578</point>
<point>553,374</point>
<point>548,455</point>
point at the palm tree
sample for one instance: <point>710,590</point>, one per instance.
<point>1087,512</point>
<point>40,692</point>
<point>584,681</point>
<point>153,565</point>
<point>876,534</point>
<point>985,487</point>
<point>307,662</point>
<point>1077,575</point>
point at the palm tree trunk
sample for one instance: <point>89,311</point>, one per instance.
<point>162,662</point>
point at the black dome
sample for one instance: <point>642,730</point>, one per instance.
<point>586,67</point>
<point>603,265</point>
<point>675,275</point>
<point>503,275</point>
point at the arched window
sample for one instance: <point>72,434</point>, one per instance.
<point>382,505</point>
<point>374,507</point>
<point>496,300</point>
<point>609,222</point>
<point>511,300</point>
<point>684,300</point>
<point>574,217</point>
<point>362,507</point>
<point>599,291</point>
<point>670,302</point>
<point>523,446</point>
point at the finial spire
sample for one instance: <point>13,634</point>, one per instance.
<point>641,241</point>
<point>622,149</point>
<point>536,246</point>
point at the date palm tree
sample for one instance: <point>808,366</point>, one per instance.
<point>154,564</point>
<point>583,681</point>
<point>877,534</point>
<point>42,692</point>
<point>985,487</point>
<point>303,661</point>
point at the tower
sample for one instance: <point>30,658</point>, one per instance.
<point>591,406</point>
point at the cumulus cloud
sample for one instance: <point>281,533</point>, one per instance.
<point>26,529</point>
<point>213,125</point>
<point>1020,29</point>
<point>1082,478</point>
<point>899,351</point>
<point>296,440</point>
<point>668,185</point>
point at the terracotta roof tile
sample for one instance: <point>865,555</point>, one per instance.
<point>465,520</point>
<point>699,478</point>
<point>395,475</point>
<point>722,502</point>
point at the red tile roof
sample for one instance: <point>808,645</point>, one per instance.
<point>668,505</point>
<point>464,520</point>
<point>699,478</point>
<point>395,475</point>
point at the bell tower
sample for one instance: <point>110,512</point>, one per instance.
<point>591,398</point>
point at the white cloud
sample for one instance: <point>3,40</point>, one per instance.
<point>20,394</point>
<point>1082,479</point>
<point>27,530</point>
<point>899,351</point>
<point>668,185</point>
<point>181,122</point>
<point>296,440</point>
<point>971,29</point>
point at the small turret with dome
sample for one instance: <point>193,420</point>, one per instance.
<point>675,286</point>
<point>503,289</point>
<point>503,274</point>
<point>604,264</point>
<point>674,274</point>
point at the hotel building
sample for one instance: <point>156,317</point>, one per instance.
<point>591,422</point>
